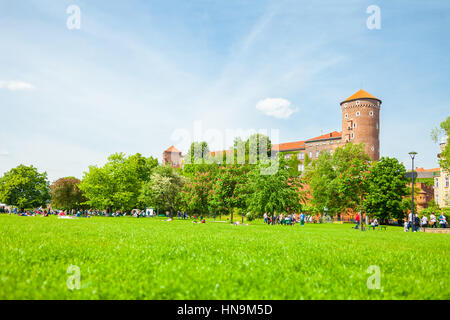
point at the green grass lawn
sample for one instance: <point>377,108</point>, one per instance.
<point>129,258</point>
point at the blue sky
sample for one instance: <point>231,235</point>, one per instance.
<point>138,71</point>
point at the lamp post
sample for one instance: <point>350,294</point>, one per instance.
<point>413,155</point>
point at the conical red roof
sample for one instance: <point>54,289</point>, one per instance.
<point>361,94</point>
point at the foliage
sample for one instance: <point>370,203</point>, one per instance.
<point>274,193</point>
<point>24,187</point>
<point>230,188</point>
<point>198,153</point>
<point>118,183</point>
<point>197,193</point>
<point>338,181</point>
<point>443,130</point>
<point>163,189</point>
<point>386,190</point>
<point>66,194</point>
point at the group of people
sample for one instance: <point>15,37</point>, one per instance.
<point>414,223</point>
<point>283,219</point>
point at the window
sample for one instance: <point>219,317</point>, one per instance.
<point>373,148</point>
<point>354,125</point>
<point>301,167</point>
<point>371,113</point>
<point>437,182</point>
<point>446,182</point>
<point>437,199</point>
<point>331,141</point>
<point>358,103</point>
<point>377,126</point>
<point>346,116</point>
<point>287,156</point>
<point>358,113</point>
<point>317,153</point>
<point>301,156</point>
<point>352,136</point>
<point>310,154</point>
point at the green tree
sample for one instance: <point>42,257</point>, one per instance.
<point>338,181</point>
<point>275,193</point>
<point>163,191</point>
<point>118,183</point>
<point>443,130</point>
<point>197,192</point>
<point>198,154</point>
<point>229,190</point>
<point>66,194</point>
<point>387,186</point>
<point>24,187</point>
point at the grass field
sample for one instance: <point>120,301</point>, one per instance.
<point>129,258</point>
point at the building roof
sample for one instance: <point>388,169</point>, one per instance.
<point>331,135</point>
<point>172,149</point>
<point>289,146</point>
<point>427,170</point>
<point>361,94</point>
<point>214,153</point>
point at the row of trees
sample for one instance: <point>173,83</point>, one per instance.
<point>345,181</point>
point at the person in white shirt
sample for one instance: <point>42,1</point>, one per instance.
<point>424,221</point>
<point>433,220</point>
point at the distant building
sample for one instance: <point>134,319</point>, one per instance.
<point>360,124</point>
<point>173,157</point>
<point>441,183</point>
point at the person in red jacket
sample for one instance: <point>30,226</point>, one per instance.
<point>358,218</point>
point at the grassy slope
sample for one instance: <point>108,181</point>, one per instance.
<point>129,258</point>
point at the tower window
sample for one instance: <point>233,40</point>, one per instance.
<point>346,115</point>
<point>352,135</point>
<point>358,103</point>
<point>371,113</point>
<point>354,125</point>
<point>373,148</point>
<point>358,113</point>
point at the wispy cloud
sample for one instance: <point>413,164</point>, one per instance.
<point>4,153</point>
<point>16,85</point>
<point>276,107</point>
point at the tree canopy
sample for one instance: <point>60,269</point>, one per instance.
<point>24,187</point>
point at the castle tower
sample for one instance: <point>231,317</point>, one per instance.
<point>361,122</point>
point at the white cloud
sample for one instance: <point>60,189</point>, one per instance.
<point>15,85</point>
<point>276,107</point>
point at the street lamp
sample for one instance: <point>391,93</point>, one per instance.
<point>413,155</point>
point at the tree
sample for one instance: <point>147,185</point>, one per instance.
<point>274,193</point>
<point>24,187</point>
<point>118,183</point>
<point>230,190</point>
<point>387,186</point>
<point>198,153</point>
<point>338,181</point>
<point>163,190</point>
<point>444,158</point>
<point>66,194</point>
<point>197,192</point>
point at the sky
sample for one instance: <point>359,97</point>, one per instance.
<point>140,76</point>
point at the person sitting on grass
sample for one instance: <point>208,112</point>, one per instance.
<point>374,223</point>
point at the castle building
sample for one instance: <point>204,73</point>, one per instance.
<point>360,124</point>
<point>173,157</point>
<point>442,182</point>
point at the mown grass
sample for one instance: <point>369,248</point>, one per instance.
<point>129,258</point>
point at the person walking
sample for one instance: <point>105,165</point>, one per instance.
<point>358,218</point>
<point>424,221</point>
<point>442,220</point>
<point>433,220</point>
<point>416,223</point>
<point>302,219</point>
<point>265,218</point>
